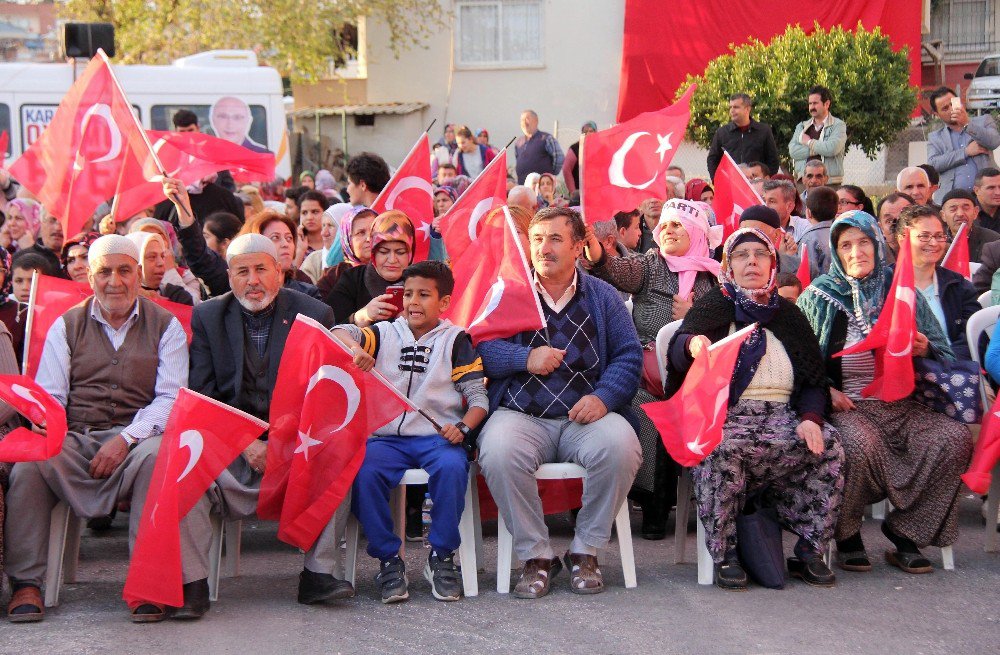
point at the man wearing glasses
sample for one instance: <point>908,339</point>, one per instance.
<point>814,177</point>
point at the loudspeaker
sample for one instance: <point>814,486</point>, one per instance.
<point>83,39</point>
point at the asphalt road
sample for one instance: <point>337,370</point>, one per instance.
<point>885,611</point>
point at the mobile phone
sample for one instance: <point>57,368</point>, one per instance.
<point>956,103</point>
<point>396,291</point>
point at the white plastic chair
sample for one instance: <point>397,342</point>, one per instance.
<point>973,267</point>
<point>981,322</point>
<point>623,526</point>
<point>663,338</point>
<point>64,552</point>
<point>469,528</point>
<point>985,299</point>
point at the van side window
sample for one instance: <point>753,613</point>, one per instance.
<point>229,121</point>
<point>5,127</point>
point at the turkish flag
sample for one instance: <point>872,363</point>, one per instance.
<point>892,335</point>
<point>494,294</point>
<point>202,438</point>
<point>323,410</point>
<point>53,297</point>
<point>626,164</point>
<point>93,146</point>
<point>181,312</point>
<point>35,403</point>
<point>803,273</point>
<point>410,191</point>
<point>986,453</point>
<point>690,422</point>
<point>461,224</point>
<point>957,257</point>
<point>191,156</point>
<point>733,194</point>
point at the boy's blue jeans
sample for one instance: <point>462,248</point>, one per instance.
<point>386,459</point>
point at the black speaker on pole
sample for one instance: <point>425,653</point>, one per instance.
<point>82,40</point>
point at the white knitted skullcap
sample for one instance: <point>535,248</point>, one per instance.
<point>248,244</point>
<point>113,244</point>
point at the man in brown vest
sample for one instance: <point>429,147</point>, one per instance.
<point>116,361</point>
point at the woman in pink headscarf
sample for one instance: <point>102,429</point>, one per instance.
<point>664,283</point>
<point>20,230</point>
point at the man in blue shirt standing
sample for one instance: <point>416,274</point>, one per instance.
<point>963,146</point>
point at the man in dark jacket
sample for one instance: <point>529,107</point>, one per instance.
<point>743,138</point>
<point>960,207</point>
<point>236,347</point>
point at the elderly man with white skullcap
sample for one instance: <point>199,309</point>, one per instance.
<point>116,362</point>
<point>236,346</point>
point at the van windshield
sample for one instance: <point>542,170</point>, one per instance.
<point>989,67</point>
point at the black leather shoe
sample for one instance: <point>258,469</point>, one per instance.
<point>729,575</point>
<point>812,570</point>
<point>654,520</point>
<point>318,587</point>
<point>196,601</point>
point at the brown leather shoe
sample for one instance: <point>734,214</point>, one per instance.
<point>536,577</point>
<point>148,613</point>
<point>586,574</point>
<point>26,606</point>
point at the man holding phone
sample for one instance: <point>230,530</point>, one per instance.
<point>964,146</point>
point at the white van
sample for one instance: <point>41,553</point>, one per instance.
<point>30,93</point>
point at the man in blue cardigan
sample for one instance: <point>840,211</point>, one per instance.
<point>562,394</point>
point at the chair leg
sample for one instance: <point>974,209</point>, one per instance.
<point>215,556</point>
<point>828,555</point>
<point>623,526</point>
<point>684,483</point>
<point>71,558</point>
<point>505,553</point>
<point>58,526</point>
<point>467,546</point>
<point>477,519</point>
<point>706,568</point>
<point>351,556</point>
<point>992,503</point>
<point>948,558</point>
<point>879,510</point>
<point>397,501</point>
<point>232,546</point>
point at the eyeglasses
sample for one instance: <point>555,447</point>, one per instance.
<point>743,256</point>
<point>845,201</point>
<point>927,237</point>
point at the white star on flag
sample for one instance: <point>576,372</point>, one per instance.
<point>697,447</point>
<point>664,145</point>
<point>305,443</point>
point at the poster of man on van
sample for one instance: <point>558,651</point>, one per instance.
<point>232,119</point>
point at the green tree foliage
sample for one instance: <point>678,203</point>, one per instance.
<point>869,83</point>
<point>298,37</point>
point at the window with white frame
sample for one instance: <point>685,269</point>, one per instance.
<point>498,33</point>
<point>965,26</point>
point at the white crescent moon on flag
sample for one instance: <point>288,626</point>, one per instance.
<point>344,380</point>
<point>616,172</point>
<point>28,395</point>
<point>405,184</point>
<point>496,295</point>
<point>195,443</point>
<point>907,296</point>
<point>156,148</point>
<point>478,211</point>
<point>104,111</point>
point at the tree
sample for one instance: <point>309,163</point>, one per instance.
<point>870,85</point>
<point>297,37</point>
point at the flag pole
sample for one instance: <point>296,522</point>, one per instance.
<point>428,130</point>
<point>29,321</point>
<point>512,140</point>
<point>135,119</point>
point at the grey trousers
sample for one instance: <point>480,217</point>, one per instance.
<point>36,487</point>
<point>234,496</point>
<point>513,445</point>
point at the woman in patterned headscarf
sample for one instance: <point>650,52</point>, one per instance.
<point>901,450</point>
<point>74,256</point>
<point>775,441</point>
<point>353,244</point>
<point>24,220</point>
<point>359,296</point>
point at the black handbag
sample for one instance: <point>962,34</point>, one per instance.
<point>758,540</point>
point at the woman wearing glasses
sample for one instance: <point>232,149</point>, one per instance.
<point>901,450</point>
<point>853,198</point>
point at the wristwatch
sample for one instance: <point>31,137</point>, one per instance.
<point>463,428</point>
<point>130,441</point>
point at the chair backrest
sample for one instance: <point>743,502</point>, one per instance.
<point>985,298</point>
<point>981,322</point>
<point>663,338</point>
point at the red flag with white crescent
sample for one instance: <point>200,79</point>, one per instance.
<point>733,194</point>
<point>626,164</point>
<point>957,257</point>
<point>410,190</point>
<point>892,335</point>
<point>462,223</point>
<point>38,406</point>
<point>323,410</point>
<point>93,146</point>
<point>202,438</point>
<point>690,422</point>
<point>494,295</point>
